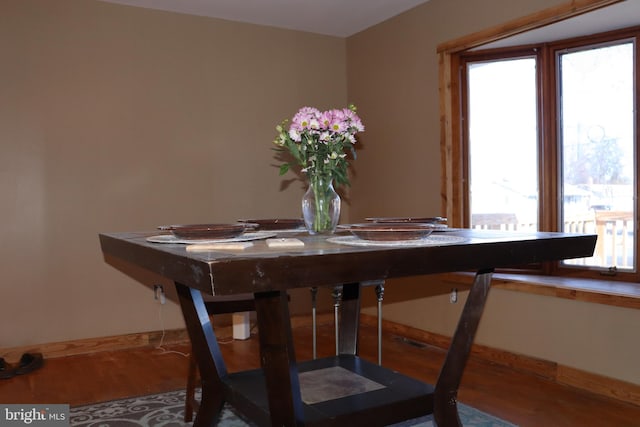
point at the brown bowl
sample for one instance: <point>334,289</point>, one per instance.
<point>207,231</point>
<point>390,231</point>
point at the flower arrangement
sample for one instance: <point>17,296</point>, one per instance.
<point>318,141</point>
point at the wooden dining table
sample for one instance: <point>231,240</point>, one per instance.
<point>343,389</point>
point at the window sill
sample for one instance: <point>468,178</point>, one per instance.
<point>621,294</point>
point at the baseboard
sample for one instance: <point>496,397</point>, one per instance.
<point>576,378</point>
<point>142,339</point>
<point>94,345</point>
<point>583,380</point>
<point>619,390</point>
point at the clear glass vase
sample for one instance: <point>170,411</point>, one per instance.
<point>321,206</point>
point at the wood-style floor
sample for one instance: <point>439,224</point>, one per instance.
<point>522,399</point>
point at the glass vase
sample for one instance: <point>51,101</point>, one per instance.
<point>321,206</point>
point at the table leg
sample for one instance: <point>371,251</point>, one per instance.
<point>337,300</point>
<point>278,359</point>
<point>380,296</point>
<point>446,393</point>
<point>206,351</point>
<point>349,319</point>
<point>314,323</point>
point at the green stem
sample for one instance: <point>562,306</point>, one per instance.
<point>321,186</point>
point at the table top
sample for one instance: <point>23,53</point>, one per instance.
<point>324,262</point>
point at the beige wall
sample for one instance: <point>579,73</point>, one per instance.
<point>115,118</point>
<point>393,77</point>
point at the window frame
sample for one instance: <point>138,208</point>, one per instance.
<point>456,202</point>
<point>510,53</point>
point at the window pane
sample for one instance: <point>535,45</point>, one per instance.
<point>503,163</point>
<point>597,131</point>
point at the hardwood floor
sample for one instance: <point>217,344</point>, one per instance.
<point>522,399</point>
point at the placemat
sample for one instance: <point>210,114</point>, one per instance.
<point>437,240</point>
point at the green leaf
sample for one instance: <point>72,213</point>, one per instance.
<point>284,169</point>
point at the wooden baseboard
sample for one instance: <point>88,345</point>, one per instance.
<point>551,371</point>
<point>142,339</point>
<point>598,384</point>
<point>94,345</point>
<point>583,380</point>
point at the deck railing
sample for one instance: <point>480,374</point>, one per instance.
<point>615,245</point>
<point>615,230</point>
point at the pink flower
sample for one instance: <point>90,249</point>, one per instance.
<point>325,119</point>
<point>294,134</point>
<point>338,126</point>
<point>318,141</point>
<point>305,118</point>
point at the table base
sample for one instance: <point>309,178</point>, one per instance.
<point>398,398</point>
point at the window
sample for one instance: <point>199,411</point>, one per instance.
<point>502,130</point>
<point>596,141</point>
<point>549,137</point>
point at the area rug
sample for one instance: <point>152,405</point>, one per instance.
<point>167,410</point>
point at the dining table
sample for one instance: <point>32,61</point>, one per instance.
<point>344,389</point>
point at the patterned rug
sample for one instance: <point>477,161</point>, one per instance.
<point>167,410</point>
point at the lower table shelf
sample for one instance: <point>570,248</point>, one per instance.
<point>340,390</point>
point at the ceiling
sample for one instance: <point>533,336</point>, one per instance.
<point>619,15</point>
<point>340,18</point>
<point>344,18</point>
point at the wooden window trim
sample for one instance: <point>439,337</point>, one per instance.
<point>552,50</point>
<point>452,182</point>
<point>615,293</point>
